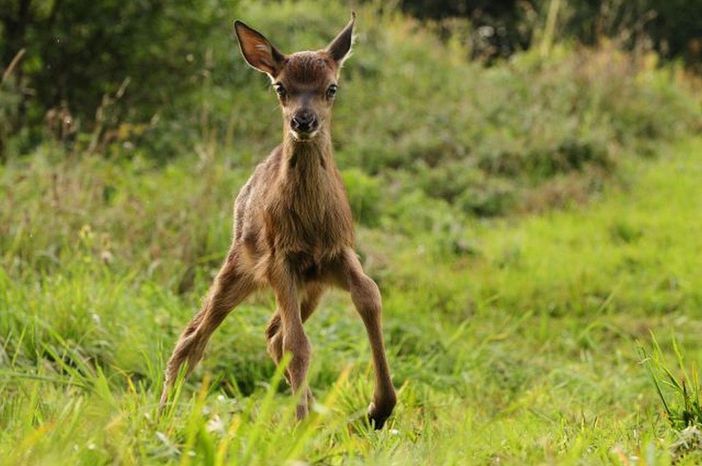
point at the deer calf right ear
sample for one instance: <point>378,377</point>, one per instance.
<point>340,47</point>
<point>257,50</point>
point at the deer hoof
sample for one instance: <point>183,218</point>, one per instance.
<point>378,414</point>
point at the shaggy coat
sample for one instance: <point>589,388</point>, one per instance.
<point>293,230</point>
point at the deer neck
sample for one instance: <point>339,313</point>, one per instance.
<point>306,160</point>
<point>306,176</point>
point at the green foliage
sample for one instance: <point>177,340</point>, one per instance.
<point>522,350</point>
<point>666,26</point>
<point>77,51</point>
<point>501,28</point>
<point>364,194</point>
<point>411,106</point>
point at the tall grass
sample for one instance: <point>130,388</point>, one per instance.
<point>521,349</point>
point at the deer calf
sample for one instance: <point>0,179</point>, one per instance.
<point>293,229</point>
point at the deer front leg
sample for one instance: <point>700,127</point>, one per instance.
<point>366,298</point>
<point>230,287</point>
<point>294,339</point>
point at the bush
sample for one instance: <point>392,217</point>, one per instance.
<point>77,51</point>
<point>411,106</point>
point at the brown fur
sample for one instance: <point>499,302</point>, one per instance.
<point>293,230</point>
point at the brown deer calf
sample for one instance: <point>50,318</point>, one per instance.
<point>293,228</point>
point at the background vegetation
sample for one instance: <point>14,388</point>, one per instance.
<point>525,178</point>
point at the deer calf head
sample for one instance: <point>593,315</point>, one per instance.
<point>306,82</point>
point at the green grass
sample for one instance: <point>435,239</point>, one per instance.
<point>512,341</point>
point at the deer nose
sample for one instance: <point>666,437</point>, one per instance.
<point>304,121</point>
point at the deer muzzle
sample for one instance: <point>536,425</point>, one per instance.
<point>304,123</point>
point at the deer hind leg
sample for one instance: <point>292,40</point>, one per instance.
<point>274,332</point>
<point>231,286</point>
<point>294,339</point>
<point>367,300</point>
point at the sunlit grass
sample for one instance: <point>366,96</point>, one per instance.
<point>522,351</point>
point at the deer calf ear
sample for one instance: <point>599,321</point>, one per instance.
<point>340,47</point>
<point>257,50</point>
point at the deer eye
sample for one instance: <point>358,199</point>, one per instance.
<point>279,89</point>
<point>331,91</point>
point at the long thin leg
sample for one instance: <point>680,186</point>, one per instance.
<point>231,286</point>
<point>274,332</point>
<point>294,339</point>
<point>367,300</point>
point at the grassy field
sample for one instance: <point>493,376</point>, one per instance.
<point>534,226</point>
<point>519,341</point>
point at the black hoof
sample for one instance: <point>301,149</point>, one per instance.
<point>378,415</point>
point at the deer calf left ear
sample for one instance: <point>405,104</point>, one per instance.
<point>340,47</point>
<point>258,51</point>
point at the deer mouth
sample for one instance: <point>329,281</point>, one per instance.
<point>304,136</point>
